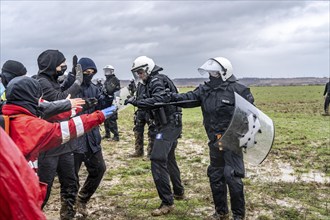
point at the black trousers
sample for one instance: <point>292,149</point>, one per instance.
<point>326,104</point>
<point>226,169</point>
<point>95,167</point>
<point>163,163</point>
<point>63,165</point>
<point>140,120</point>
<point>110,125</point>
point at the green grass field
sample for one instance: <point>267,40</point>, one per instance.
<point>292,183</point>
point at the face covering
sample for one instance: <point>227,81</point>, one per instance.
<point>87,79</point>
<point>63,69</point>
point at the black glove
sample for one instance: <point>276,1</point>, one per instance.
<point>74,64</point>
<point>132,100</point>
<point>174,97</point>
<point>90,103</point>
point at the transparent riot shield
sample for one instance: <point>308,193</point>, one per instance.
<point>251,132</point>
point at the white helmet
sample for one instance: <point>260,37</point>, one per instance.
<point>108,70</point>
<point>143,62</point>
<point>217,66</point>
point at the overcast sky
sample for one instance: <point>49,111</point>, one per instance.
<point>260,38</point>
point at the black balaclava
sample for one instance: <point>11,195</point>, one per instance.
<point>10,70</point>
<point>25,92</point>
<point>215,82</point>
<point>48,61</point>
<point>87,63</point>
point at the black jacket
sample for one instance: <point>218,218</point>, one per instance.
<point>327,89</point>
<point>90,141</point>
<point>47,77</point>
<point>156,85</point>
<point>217,103</point>
<point>112,84</point>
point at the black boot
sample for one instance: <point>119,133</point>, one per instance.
<point>138,145</point>
<point>67,211</point>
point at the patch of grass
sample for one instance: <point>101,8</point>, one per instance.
<point>302,141</point>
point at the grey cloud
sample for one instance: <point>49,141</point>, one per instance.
<point>180,36</point>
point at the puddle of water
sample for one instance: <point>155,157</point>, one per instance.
<point>284,172</point>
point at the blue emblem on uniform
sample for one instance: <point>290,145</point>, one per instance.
<point>159,136</point>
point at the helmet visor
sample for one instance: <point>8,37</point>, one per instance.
<point>108,72</point>
<point>140,74</point>
<point>210,67</point>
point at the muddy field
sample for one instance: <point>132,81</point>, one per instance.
<point>292,183</point>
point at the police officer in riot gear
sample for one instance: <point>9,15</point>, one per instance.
<point>326,95</point>
<point>141,118</point>
<point>168,124</point>
<point>111,85</point>
<point>217,99</point>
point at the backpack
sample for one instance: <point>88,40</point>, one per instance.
<point>4,123</point>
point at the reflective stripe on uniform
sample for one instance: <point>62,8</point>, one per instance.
<point>79,126</point>
<point>65,131</point>
<point>73,113</point>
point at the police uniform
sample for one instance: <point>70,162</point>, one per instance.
<point>168,127</point>
<point>326,93</point>
<point>141,118</point>
<point>112,84</point>
<point>226,168</point>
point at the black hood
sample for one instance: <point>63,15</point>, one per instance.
<point>87,63</point>
<point>25,92</point>
<point>48,61</point>
<point>10,70</point>
<point>156,69</point>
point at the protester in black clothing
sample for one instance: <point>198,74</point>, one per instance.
<point>217,100</point>
<point>12,69</point>
<point>326,95</point>
<point>89,148</point>
<point>111,85</point>
<point>168,125</point>
<point>9,71</point>
<point>142,118</point>
<point>59,160</point>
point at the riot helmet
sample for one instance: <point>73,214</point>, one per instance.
<point>217,67</point>
<point>108,70</point>
<point>142,68</point>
